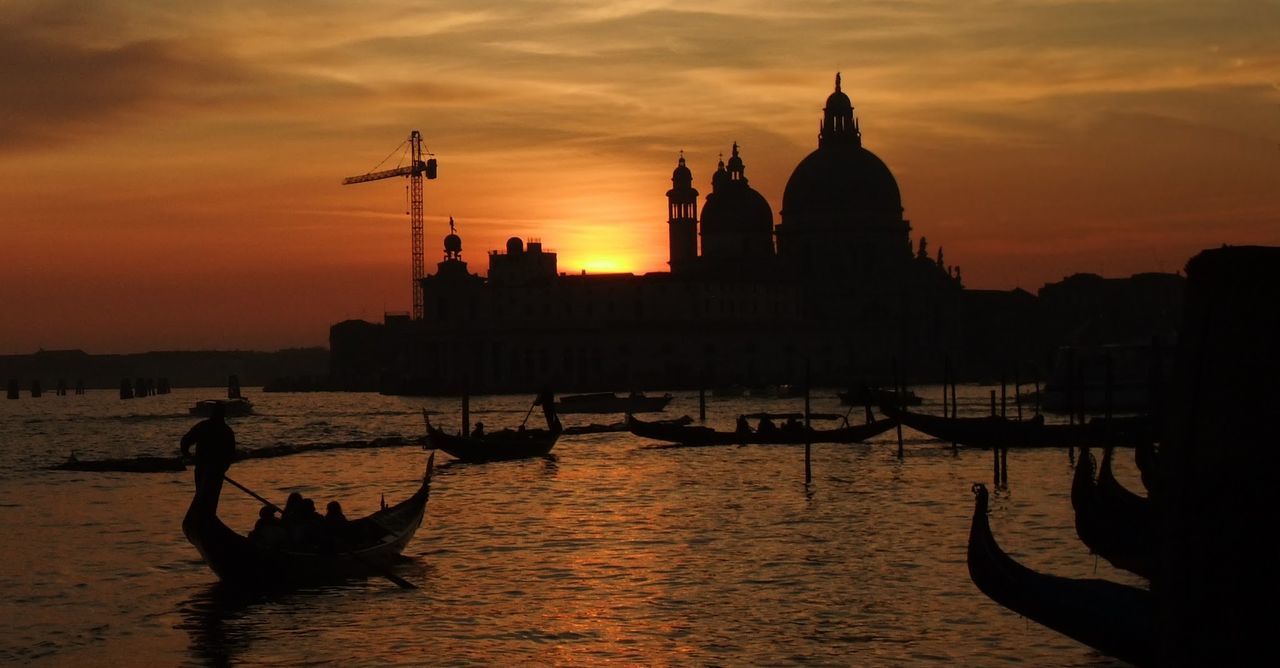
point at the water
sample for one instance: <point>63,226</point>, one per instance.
<point>608,552</point>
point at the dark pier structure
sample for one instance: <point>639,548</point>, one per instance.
<point>835,280</point>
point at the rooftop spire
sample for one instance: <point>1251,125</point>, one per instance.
<point>837,82</point>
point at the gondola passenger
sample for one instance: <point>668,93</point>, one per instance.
<point>313,531</point>
<point>333,514</point>
<point>336,522</point>
<point>766,426</point>
<point>792,425</point>
<point>478,432</point>
<point>268,530</point>
<point>741,426</point>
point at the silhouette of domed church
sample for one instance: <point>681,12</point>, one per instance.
<point>834,284</point>
<point>841,235</point>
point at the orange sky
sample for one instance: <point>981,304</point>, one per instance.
<point>171,171</point>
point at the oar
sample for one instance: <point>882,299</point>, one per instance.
<point>377,568</point>
<point>530,412</point>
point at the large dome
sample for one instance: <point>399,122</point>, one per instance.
<point>844,181</point>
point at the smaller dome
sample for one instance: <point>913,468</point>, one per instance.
<point>737,211</point>
<point>515,246</point>
<point>453,244</point>
<point>681,172</point>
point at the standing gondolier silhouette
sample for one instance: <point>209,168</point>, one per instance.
<point>215,448</point>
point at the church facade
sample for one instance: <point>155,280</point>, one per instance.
<point>834,288</point>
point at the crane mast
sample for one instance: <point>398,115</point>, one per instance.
<point>415,170</point>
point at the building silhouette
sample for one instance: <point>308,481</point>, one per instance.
<point>837,289</point>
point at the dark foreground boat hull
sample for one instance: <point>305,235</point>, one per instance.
<point>695,436</point>
<point>243,562</point>
<point>1114,619</point>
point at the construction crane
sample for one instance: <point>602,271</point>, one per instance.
<point>415,170</point>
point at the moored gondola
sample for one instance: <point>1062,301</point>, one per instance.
<point>698,436</point>
<point>608,402</point>
<point>1113,522</point>
<point>504,445</point>
<point>1115,619</point>
<point>998,432</point>
<point>864,395</point>
<point>373,543</point>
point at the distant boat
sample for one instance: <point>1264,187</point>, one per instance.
<point>239,407</point>
<point>998,432</point>
<point>608,402</point>
<point>504,445</point>
<point>1115,619</point>
<point>777,391</point>
<point>247,563</point>
<point>696,436</point>
<point>875,397</point>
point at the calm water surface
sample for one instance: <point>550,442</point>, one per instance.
<point>610,551</point>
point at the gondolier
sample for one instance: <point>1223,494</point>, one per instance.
<point>215,447</point>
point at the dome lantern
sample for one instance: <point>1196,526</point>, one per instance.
<point>838,123</point>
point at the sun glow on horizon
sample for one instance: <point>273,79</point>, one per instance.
<point>603,265</point>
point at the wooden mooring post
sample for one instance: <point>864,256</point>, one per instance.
<point>898,401</point>
<point>808,435</point>
<point>466,411</point>
<point>13,392</point>
<point>1017,393</point>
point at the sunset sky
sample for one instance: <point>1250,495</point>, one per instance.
<point>172,171</point>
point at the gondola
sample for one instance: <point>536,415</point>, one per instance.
<point>608,402</point>
<point>1113,522</point>
<point>614,427</point>
<point>1115,619</point>
<point>998,432</point>
<point>502,445</point>
<point>696,436</point>
<point>376,541</point>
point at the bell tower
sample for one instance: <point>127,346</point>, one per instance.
<point>682,219</point>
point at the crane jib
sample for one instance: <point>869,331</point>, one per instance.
<point>427,167</point>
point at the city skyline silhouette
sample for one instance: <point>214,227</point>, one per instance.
<point>1038,142</point>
